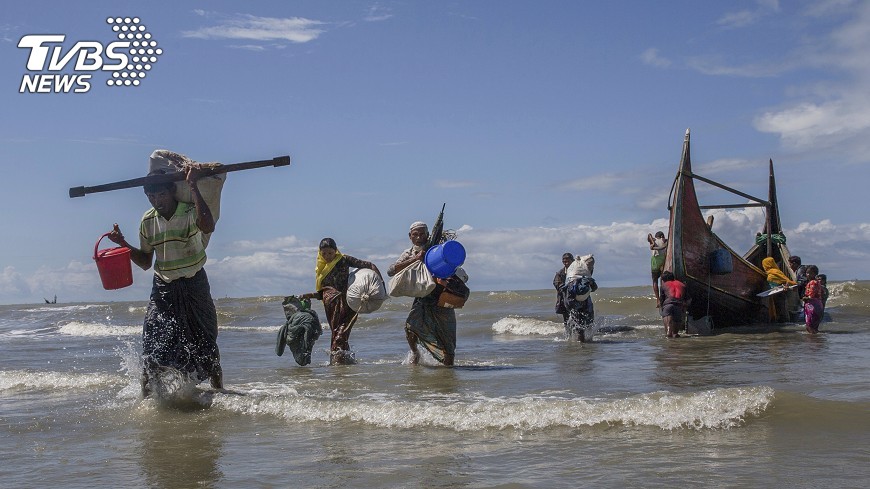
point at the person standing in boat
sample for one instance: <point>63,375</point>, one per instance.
<point>180,329</point>
<point>558,283</point>
<point>814,308</point>
<point>674,304</point>
<point>428,324</point>
<point>658,244</point>
<point>331,274</point>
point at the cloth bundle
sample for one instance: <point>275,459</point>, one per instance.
<point>210,187</point>
<point>415,280</point>
<point>300,331</point>
<point>582,267</point>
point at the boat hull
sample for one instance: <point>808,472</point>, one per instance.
<point>728,298</point>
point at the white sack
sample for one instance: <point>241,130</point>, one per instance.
<point>413,281</point>
<point>210,187</point>
<point>365,291</point>
<point>581,267</point>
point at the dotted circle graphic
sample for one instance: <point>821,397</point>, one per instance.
<point>144,51</point>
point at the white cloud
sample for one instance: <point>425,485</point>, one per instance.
<point>377,13</point>
<point>725,165</point>
<point>743,18</point>
<point>243,26</point>
<point>282,243</point>
<point>715,66</point>
<point>454,183</point>
<point>593,182</point>
<point>249,47</point>
<point>651,57</point>
<point>13,284</point>
<point>5,31</point>
<point>835,114</point>
<point>820,125</point>
<point>498,259</point>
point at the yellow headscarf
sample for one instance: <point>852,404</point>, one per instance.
<point>774,274</point>
<point>322,269</point>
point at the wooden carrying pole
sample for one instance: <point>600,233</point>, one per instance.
<point>176,176</point>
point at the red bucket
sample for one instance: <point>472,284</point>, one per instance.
<point>114,266</point>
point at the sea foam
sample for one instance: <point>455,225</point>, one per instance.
<point>527,326</point>
<point>712,409</point>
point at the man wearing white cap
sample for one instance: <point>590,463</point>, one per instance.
<point>428,324</point>
<point>419,235</point>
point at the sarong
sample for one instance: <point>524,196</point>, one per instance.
<point>813,311</point>
<point>676,310</point>
<point>339,316</point>
<point>180,329</point>
<point>657,263</point>
<point>435,327</point>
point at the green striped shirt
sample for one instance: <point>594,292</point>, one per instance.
<point>177,242</point>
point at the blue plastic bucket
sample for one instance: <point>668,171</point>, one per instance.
<point>442,259</point>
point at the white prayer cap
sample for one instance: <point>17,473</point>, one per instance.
<point>419,224</point>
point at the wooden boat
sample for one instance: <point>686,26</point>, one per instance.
<point>721,283</point>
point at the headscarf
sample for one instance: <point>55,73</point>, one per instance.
<point>322,269</point>
<point>418,224</point>
<point>774,274</point>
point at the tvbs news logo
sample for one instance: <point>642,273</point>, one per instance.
<point>55,67</point>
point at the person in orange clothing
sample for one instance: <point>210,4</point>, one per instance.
<point>775,277</point>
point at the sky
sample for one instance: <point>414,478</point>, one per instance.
<point>545,127</point>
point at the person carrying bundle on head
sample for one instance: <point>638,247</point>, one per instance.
<point>577,297</point>
<point>558,282</point>
<point>180,329</point>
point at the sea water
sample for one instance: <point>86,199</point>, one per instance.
<point>758,406</point>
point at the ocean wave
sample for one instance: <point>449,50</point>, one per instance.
<point>23,380</point>
<point>527,326</point>
<point>27,333</point>
<point>71,308</point>
<point>504,294</point>
<point>254,329</point>
<point>76,328</point>
<point>713,409</point>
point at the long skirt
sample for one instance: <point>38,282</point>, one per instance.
<point>180,328</point>
<point>435,327</point>
<point>813,311</point>
<point>339,315</point>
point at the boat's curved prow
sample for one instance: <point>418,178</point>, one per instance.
<point>728,297</point>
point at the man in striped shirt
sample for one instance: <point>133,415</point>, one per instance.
<point>180,329</point>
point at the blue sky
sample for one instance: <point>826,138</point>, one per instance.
<point>545,126</point>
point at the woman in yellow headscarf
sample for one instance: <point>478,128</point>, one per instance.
<point>331,274</point>
<point>775,277</point>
